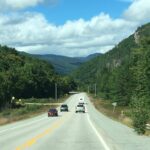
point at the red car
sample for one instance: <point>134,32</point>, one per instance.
<point>52,112</point>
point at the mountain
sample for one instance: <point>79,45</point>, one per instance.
<point>121,72</point>
<point>23,76</point>
<point>89,57</point>
<point>63,64</point>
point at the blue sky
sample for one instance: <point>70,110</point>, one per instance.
<point>69,27</point>
<point>64,10</point>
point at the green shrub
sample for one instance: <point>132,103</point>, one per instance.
<point>39,100</point>
<point>31,108</point>
<point>20,112</point>
<point>26,110</point>
<point>140,115</point>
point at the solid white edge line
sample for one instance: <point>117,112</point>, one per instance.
<point>98,134</point>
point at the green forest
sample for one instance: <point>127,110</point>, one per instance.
<point>22,76</point>
<point>122,75</point>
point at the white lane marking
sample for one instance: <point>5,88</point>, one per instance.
<point>19,126</point>
<point>98,134</point>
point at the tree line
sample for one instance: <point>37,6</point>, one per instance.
<point>23,76</point>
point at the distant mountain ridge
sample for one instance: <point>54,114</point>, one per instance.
<point>63,64</point>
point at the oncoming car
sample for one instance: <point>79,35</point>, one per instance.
<point>64,107</point>
<point>52,112</point>
<point>81,101</point>
<point>80,108</point>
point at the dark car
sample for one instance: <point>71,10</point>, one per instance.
<point>52,112</point>
<point>64,107</point>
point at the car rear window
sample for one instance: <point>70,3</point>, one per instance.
<point>52,110</point>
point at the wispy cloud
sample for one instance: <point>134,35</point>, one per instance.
<point>6,5</point>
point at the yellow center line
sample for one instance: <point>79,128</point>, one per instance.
<point>33,140</point>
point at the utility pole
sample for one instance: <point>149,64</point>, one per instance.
<point>78,88</point>
<point>95,89</point>
<point>56,91</point>
<point>88,89</point>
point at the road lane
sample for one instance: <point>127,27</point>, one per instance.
<point>19,132</point>
<point>75,133</point>
<point>71,131</point>
<point>117,135</point>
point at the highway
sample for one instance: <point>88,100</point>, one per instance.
<point>71,131</point>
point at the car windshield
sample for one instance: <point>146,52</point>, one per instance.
<point>64,106</point>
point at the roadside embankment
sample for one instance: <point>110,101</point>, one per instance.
<point>32,107</point>
<point>120,113</point>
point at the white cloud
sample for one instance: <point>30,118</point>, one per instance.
<point>31,32</point>
<point>6,5</point>
<point>18,4</point>
<point>139,11</point>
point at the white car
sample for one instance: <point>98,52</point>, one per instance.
<point>80,108</point>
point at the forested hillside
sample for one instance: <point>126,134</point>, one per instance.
<point>63,64</point>
<point>25,77</point>
<point>104,70</point>
<point>122,74</point>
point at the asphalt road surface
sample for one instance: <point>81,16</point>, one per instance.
<point>71,131</point>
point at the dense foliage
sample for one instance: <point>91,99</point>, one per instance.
<point>123,75</point>
<point>22,76</point>
<point>110,72</point>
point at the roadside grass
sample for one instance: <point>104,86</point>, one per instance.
<point>121,113</point>
<point>12,115</point>
<point>28,111</point>
<point>45,100</point>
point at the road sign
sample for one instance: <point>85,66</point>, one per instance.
<point>114,104</point>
